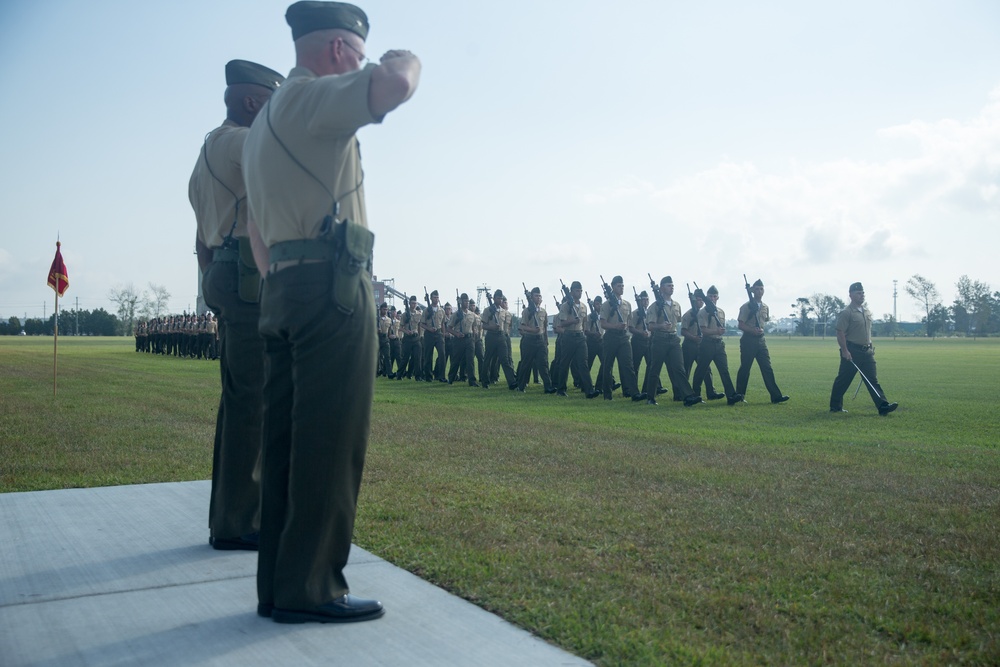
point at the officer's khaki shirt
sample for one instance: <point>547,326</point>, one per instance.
<point>215,207</point>
<point>856,323</point>
<point>708,321</point>
<point>434,317</point>
<point>409,323</point>
<point>487,317</point>
<point>746,317</point>
<point>463,322</point>
<point>671,313</point>
<point>384,323</point>
<point>609,315</point>
<point>540,319</point>
<point>506,321</point>
<point>316,118</point>
<point>568,311</point>
<point>633,319</point>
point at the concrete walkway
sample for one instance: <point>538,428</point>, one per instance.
<point>124,576</point>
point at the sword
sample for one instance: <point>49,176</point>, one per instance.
<point>869,382</point>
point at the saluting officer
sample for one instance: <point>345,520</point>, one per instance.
<point>218,196</point>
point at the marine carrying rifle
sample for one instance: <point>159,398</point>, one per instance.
<point>532,308</point>
<point>710,307</point>
<point>612,299</point>
<point>568,297</point>
<point>640,310</point>
<point>753,306</point>
<point>594,315</point>
<point>493,309</point>
<point>693,298</point>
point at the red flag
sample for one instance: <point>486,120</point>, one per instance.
<point>58,277</point>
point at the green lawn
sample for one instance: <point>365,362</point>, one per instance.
<point>626,533</point>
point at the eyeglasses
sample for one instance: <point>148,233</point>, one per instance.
<point>362,58</point>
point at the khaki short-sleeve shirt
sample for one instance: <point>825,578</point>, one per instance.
<point>670,313</point>
<point>569,311</point>
<point>746,317</point>
<point>540,319</point>
<point>709,321</point>
<point>856,323</point>
<point>316,118</point>
<point>218,204</point>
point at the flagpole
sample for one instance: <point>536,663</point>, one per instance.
<point>55,345</point>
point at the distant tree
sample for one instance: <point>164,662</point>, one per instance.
<point>14,325</point>
<point>127,299</point>
<point>157,301</point>
<point>924,291</point>
<point>34,326</point>
<point>826,307</point>
<point>937,321</point>
<point>101,323</point>
<point>803,325</point>
<point>972,300</point>
<point>887,326</point>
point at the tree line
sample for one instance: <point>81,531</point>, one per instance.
<point>130,302</point>
<point>975,311</point>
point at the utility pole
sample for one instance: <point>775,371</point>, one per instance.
<point>894,318</point>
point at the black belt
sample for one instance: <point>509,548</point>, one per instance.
<point>861,347</point>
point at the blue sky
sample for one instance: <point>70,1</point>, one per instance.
<point>808,144</point>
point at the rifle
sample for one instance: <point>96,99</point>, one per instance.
<point>493,308</point>
<point>753,306</point>
<point>640,310</point>
<point>710,307</point>
<point>661,301</point>
<point>406,300</point>
<point>594,315</point>
<point>612,298</point>
<point>693,298</point>
<point>532,308</point>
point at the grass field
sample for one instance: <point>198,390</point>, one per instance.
<point>625,533</point>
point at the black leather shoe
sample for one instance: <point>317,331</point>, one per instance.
<point>714,396</point>
<point>660,391</point>
<point>551,391</point>
<point>593,394</point>
<point>837,410</point>
<point>248,542</point>
<point>734,399</point>
<point>443,380</point>
<point>473,384</point>
<point>692,400</point>
<point>886,408</point>
<point>485,386</point>
<point>345,609</point>
<point>560,393</point>
<point>779,400</point>
<point>639,397</point>
<point>264,609</point>
<point>650,401</point>
<point>616,385</point>
<point>512,387</point>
